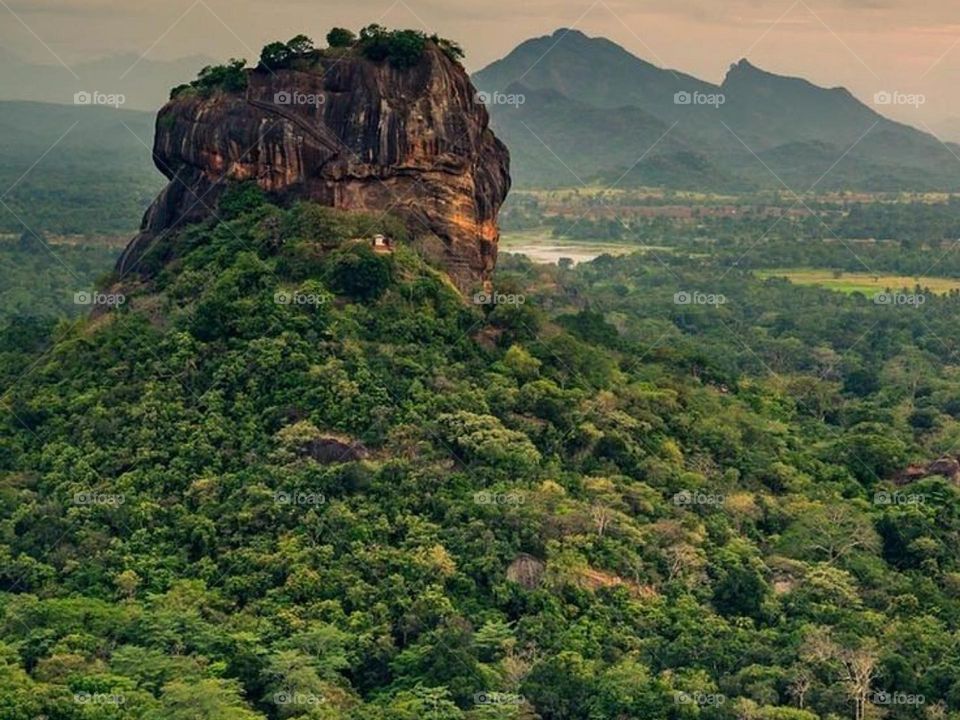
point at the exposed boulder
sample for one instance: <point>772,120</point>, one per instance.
<point>527,571</point>
<point>349,133</point>
<point>304,439</point>
<point>947,466</point>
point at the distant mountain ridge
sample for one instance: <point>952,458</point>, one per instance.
<point>144,83</point>
<point>592,110</point>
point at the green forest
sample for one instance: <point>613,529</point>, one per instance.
<point>291,477</point>
<point>63,164</point>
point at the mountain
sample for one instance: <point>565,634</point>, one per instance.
<point>752,113</point>
<point>344,130</point>
<point>144,83</point>
<point>62,167</point>
<point>593,71</point>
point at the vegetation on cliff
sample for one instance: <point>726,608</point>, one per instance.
<point>400,48</point>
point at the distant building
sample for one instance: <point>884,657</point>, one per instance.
<point>381,243</point>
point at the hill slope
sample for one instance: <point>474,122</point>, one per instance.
<point>295,478</point>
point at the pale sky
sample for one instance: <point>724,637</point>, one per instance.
<point>905,46</point>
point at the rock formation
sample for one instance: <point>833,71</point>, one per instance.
<point>348,133</point>
<point>948,467</point>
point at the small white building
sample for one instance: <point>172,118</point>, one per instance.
<point>381,243</point>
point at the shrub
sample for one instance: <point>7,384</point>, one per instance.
<point>230,77</point>
<point>274,56</point>
<point>240,198</point>
<point>300,46</point>
<point>281,55</point>
<point>340,37</point>
<point>451,49</point>
<point>359,273</point>
<point>401,48</point>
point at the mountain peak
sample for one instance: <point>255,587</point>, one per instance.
<point>569,32</point>
<point>743,65</point>
<point>743,68</point>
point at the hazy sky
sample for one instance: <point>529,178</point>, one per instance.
<point>905,46</point>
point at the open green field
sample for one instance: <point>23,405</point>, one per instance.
<point>866,283</point>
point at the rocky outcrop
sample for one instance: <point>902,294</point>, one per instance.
<point>348,133</point>
<point>527,571</point>
<point>948,467</point>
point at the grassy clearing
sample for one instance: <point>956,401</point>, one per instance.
<point>866,283</point>
<point>542,248</point>
<point>544,236</point>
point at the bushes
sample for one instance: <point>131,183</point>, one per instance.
<point>230,77</point>
<point>401,48</point>
<point>340,37</point>
<point>281,55</point>
<point>359,273</point>
<point>240,198</point>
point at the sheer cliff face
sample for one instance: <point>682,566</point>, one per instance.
<point>351,134</point>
